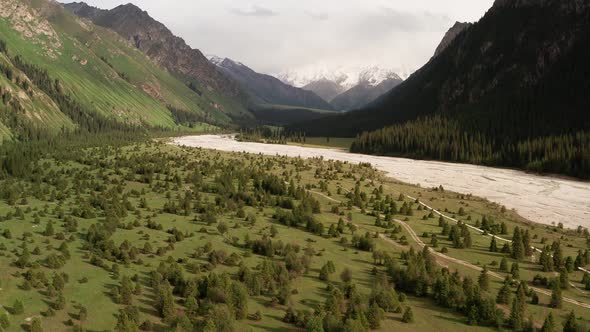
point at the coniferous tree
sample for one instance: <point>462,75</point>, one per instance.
<point>504,265</point>
<point>526,242</point>
<point>557,256</point>
<point>484,279</point>
<point>570,324</point>
<point>126,291</point>
<point>493,245</point>
<point>165,301</point>
<point>556,297</point>
<point>517,246</point>
<point>503,296</point>
<point>518,310</point>
<point>374,316</point>
<point>514,271</point>
<point>548,324</point>
<point>126,322</point>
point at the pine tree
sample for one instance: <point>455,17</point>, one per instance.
<point>556,297</point>
<point>467,242</point>
<point>570,324</point>
<point>192,307</point>
<point>374,316</point>
<point>517,246</point>
<point>126,323</point>
<point>222,318</point>
<point>549,324</point>
<point>504,293</point>
<point>493,245</point>
<point>324,274</point>
<point>515,319</point>
<point>126,291</point>
<point>526,242</point>
<point>484,279</point>
<point>504,265</point>
<point>564,280</point>
<point>165,301</point>
<point>514,271</point>
<point>546,260</point>
<point>239,299</point>
<point>518,310</point>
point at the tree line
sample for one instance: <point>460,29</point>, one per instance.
<point>441,138</point>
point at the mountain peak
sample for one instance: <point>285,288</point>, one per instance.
<point>155,40</point>
<point>345,76</point>
<point>450,36</point>
<point>130,9</point>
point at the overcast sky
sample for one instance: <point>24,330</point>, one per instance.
<point>274,36</point>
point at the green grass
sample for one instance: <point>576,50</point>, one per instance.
<point>99,166</point>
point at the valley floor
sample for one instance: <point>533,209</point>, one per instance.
<point>116,236</point>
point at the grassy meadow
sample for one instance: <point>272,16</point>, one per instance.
<point>210,224</point>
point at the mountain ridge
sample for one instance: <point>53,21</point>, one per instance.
<point>168,51</point>
<point>268,88</point>
<point>97,79</point>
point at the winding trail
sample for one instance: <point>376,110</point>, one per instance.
<point>442,256</point>
<point>477,268</point>
<point>480,230</point>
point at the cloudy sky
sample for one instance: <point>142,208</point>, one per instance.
<point>274,36</point>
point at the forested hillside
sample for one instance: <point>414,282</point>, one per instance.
<point>510,90</point>
<point>50,58</point>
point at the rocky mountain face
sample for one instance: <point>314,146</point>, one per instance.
<point>453,32</point>
<point>159,44</point>
<point>363,94</point>
<point>325,88</point>
<point>269,89</point>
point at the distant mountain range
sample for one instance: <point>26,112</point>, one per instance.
<point>269,89</point>
<point>345,88</point>
<point>253,94</point>
<point>232,78</point>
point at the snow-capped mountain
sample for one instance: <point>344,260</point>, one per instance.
<point>345,88</point>
<point>346,77</point>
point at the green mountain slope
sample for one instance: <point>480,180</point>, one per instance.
<point>23,105</point>
<point>103,72</point>
<point>510,90</point>
<point>168,51</point>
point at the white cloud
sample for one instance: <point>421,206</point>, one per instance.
<point>273,36</point>
<point>255,11</point>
